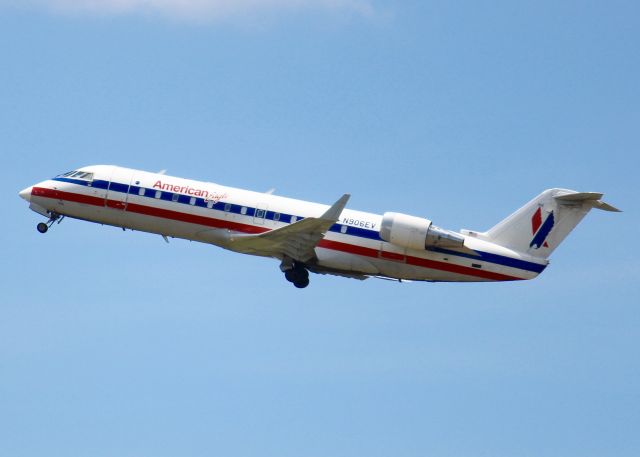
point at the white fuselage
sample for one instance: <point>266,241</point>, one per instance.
<point>202,211</point>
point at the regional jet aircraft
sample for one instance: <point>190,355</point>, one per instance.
<point>306,236</point>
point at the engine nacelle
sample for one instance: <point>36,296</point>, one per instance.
<point>416,233</point>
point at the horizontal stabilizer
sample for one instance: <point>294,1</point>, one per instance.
<point>606,207</point>
<point>586,197</point>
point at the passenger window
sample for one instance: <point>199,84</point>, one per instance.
<point>141,191</point>
<point>343,229</point>
<point>210,204</point>
<point>260,213</point>
<point>175,197</point>
<point>243,210</point>
<point>158,193</point>
<point>227,206</point>
<point>192,201</point>
<point>293,219</point>
<point>276,217</point>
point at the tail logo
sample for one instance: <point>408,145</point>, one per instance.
<point>540,230</point>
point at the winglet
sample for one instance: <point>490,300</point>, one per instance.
<point>333,213</point>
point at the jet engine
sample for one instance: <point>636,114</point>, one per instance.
<point>416,233</point>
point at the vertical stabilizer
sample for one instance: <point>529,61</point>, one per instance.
<point>542,224</point>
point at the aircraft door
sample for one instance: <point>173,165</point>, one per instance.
<point>118,190</point>
<point>95,186</point>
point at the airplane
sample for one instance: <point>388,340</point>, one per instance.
<point>310,237</point>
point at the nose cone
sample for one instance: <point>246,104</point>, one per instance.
<point>26,194</point>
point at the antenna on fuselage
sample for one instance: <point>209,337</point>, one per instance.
<point>163,171</point>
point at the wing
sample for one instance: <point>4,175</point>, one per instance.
<point>296,241</point>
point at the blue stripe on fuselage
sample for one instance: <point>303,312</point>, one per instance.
<point>495,258</point>
<point>286,218</point>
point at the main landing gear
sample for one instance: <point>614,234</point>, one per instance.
<point>295,273</point>
<point>42,227</point>
<point>299,276</point>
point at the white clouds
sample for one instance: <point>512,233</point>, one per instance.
<point>197,9</point>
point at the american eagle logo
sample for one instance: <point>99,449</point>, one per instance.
<point>540,230</point>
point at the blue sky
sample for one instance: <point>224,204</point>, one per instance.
<point>116,343</point>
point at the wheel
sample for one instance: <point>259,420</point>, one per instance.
<point>302,283</point>
<point>297,274</point>
<point>42,227</point>
<point>290,275</point>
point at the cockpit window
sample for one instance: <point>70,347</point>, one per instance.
<point>78,175</point>
<point>82,175</point>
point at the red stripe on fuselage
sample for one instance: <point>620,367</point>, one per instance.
<point>193,218</point>
<point>418,261</point>
<point>68,196</point>
<point>146,210</point>
<point>245,228</point>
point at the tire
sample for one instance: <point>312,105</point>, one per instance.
<point>298,275</point>
<point>302,283</point>
<point>290,275</point>
<point>42,227</point>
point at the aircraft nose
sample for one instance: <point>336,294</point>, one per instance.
<point>26,193</point>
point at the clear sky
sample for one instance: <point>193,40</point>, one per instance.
<point>116,344</point>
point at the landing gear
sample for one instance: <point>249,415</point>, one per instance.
<point>302,283</point>
<point>295,273</point>
<point>43,227</point>
<point>299,276</point>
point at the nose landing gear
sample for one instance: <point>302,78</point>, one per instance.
<point>43,227</point>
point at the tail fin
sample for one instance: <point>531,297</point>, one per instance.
<point>542,224</point>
